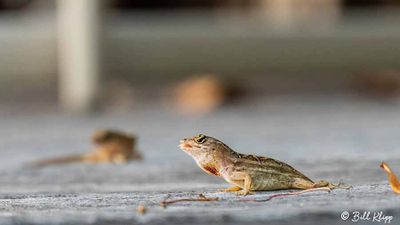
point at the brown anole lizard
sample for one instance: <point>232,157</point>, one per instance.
<point>110,146</point>
<point>247,172</point>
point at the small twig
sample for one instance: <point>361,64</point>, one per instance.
<point>288,194</point>
<point>201,198</point>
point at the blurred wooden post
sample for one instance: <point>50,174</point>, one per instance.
<point>78,54</point>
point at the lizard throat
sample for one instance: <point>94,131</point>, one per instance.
<point>209,168</point>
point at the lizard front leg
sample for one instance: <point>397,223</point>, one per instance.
<point>243,178</point>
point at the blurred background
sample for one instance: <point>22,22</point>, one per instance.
<point>314,83</point>
<point>83,55</point>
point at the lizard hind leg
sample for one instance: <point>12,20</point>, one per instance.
<point>307,184</point>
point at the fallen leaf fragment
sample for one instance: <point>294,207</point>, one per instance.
<point>393,181</point>
<point>141,209</point>
<point>200,94</point>
<point>201,198</point>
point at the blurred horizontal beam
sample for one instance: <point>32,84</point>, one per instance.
<point>170,43</point>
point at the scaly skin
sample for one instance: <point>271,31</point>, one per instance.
<point>246,172</point>
<point>111,146</point>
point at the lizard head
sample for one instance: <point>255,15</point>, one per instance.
<point>201,145</point>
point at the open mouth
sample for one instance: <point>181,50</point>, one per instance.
<point>184,145</point>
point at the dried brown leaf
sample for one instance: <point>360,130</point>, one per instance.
<point>201,198</point>
<point>394,182</point>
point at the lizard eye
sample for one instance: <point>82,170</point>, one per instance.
<point>200,139</point>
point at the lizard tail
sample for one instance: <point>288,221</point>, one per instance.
<point>56,161</point>
<point>305,184</point>
<point>324,183</point>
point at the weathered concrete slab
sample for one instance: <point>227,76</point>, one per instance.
<point>326,138</point>
<point>120,207</point>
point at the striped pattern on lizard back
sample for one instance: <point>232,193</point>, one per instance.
<point>266,165</point>
<point>267,173</point>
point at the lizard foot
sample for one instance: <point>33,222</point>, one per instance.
<point>243,193</point>
<point>231,189</point>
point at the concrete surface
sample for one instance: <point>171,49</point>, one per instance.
<point>334,138</point>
